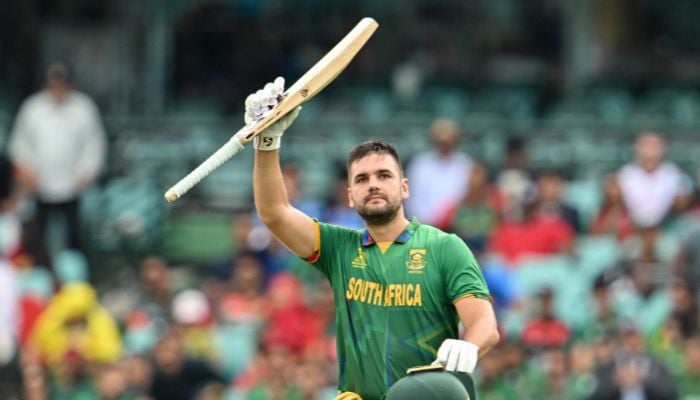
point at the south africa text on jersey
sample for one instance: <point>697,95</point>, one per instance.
<point>391,295</point>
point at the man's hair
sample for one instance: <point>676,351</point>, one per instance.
<point>373,147</point>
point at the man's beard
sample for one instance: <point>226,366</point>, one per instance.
<point>378,217</point>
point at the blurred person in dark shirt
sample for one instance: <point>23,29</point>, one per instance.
<point>633,373</point>
<point>175,375</point>
<point>550,185</point>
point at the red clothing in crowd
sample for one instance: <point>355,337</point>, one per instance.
<point>542,234</point>
<point>544,333</point>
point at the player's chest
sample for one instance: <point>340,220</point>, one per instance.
<point>401,276</point>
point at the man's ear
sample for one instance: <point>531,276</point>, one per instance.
<point>351,204</point>
<point>405,192</point>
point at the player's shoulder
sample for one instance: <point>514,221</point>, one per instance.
<point>437,236</point>
<point>36,99</point>
<point>82,99</point>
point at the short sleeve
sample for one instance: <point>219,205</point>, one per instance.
<point>463,276</point>
<point>332,241</point>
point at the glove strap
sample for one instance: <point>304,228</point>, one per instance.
<point>267,143</point>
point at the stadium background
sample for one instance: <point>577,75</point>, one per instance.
<point>575,81</point>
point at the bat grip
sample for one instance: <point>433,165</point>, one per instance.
<point>228,150</point>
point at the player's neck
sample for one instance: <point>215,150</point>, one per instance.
<point>390,231</point>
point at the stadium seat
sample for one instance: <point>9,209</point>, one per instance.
<point>585,196</point>
<point>596,254</point>
<point>536,272</point>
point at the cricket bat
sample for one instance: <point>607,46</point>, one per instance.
<point>312,82</point>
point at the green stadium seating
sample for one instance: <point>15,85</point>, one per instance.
<point>596,254</point>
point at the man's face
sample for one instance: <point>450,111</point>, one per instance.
<point>376,188</point>
<point>59,89</point>
<point>650,150</point>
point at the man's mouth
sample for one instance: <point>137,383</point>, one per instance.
<point>374,197</point>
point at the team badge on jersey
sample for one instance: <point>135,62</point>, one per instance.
<point>360,261</point>
<point>416,261</point>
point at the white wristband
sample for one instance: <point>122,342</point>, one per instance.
<point>267,143</point>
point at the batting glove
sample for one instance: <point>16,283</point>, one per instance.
<point>457,355</point>
<point>260,103</point>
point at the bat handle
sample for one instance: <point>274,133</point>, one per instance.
<point>228,150</point>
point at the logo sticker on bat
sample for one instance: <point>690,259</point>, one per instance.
<point>304,92</point>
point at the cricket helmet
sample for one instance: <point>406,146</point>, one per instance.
<point>432,382</point>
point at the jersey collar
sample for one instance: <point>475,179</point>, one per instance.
<point>367,239</point>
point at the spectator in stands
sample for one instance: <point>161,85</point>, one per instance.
<point>545,330</point>
<point>242,315</point>
<point>270,376</point>
<point>438,177</point>
<point>581,369</point>
<point>111,382</point>
<point>689,377</point>
<point>139,374</point>
<point>9,311</point>
<point>193,318</point>
<point>637,295</point>
<point>9,327</point>
<point>10,223</point>
<point>555,383</point>
<point>289,317</point>
<point>685,312</point>
<point>9,247</point>
<point>650,185</point>
<point>633,373</point>
<point>493,382</point>
<point>156,288</point>
<point>175,375</point>
<point>312,381</point>
<point>687,261</point>
<point>548,199</point>
<point>602,320</point>
<point>58,148</point>
<point>474,217</point>
<point>530,233</point>
<point>76,327</point>
<point>613,217</point>
<point>515,179</point>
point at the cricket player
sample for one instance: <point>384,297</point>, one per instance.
<point>401,287</point>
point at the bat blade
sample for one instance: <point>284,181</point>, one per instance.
<point>320,75</point>
<point>306,87</point>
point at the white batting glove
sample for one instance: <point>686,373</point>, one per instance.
<point>457,355</point>
<point>260,103</point>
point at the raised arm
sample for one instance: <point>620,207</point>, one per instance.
<point>293,228</point>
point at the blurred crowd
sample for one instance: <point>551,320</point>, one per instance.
<point>591,305</point>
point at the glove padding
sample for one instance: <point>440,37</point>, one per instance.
<point>260,103</point>
<point>457,355</point>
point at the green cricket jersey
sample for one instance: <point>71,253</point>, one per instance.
<point>394,309</point>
